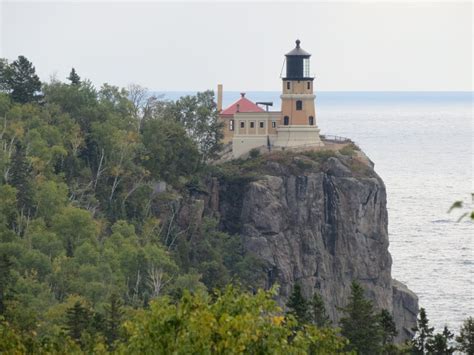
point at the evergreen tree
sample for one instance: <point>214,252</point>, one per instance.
<point>465,338</point>
<point>20,177</point>
<point>78,320</point>
<point>423,333</point>
<point>439,344</point>
<point>360,324</point>
<point>74,78</point>
<point>3,74</point>
<point>318,313</point>
<point>113,319</point>
<point>298,305</point>
<point>5,281</point>
<point>21,81</point>
<point>389,329</point>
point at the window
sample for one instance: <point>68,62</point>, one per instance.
<point>288,85</point>
<point>231,125</point>
<point>311,120</point>
<point>274,124</point>
<point>299,105</point>
<point>262,124</point>
<point>242,124</point>
<point>306,67</point>
<point>286,120</point>
<point>252,124</point>
<point>309,85</point>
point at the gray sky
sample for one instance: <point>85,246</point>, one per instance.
<point>195,45</point>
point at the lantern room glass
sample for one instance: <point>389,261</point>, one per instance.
<point>306,67</point>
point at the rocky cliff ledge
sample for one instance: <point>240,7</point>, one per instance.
<point>316,218</point>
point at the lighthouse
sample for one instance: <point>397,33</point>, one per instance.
<point>248,126</point>
<point>298,123</point>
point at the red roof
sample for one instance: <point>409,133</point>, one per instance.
<point>242,105</point>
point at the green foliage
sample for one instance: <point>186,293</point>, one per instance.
<point>74,78</point>
<point>388,326</point>
<point>254,153</point>
<point>297,305</point>
<point>170,154</point>
<point>5,281</point>
<point>465,338</point>
<point>19,79</point>
<point>440,343</point>
<point>234,323</point>
<point>199,116</point>
<point>360,324</point>
<point>78,320</point>
<point>113,319</point>
<point>319,316</point>
<point>349,149</point>
<point>74,226</point>
<point>423,333</point>
<point>20,178</point>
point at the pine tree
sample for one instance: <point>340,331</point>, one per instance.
<point>423,333</point>
<point>360,325</point>
<point>439,344</point>
<point>78,320</point>
<point>113,319</point>
<point>297,305</point>
<point>74,78</point>
<point>20,178</point>
<point>5,281</point>
<point>21,80</point>
<point>319,316</point>
<point>389,329</point>
<point>465,338</point>
<point>3,74</point>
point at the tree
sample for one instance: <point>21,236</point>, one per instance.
<point>439,344</point>
<point>389,329</point>
<point>20,178</point>
<point>318,313</point>
<point>359,324</point>
<point>5,281</point>
<point>74,226</point>
<point>113,319</point>
<point>170,154</point>
<point>465,338</point>
<point>3,74</point>
<point>74,78</point>
<point>230,322</point>
<point>21,81</point>
<point>298,305</point>
<point>199,116</point>
<point>78,320</point>
<point>423,333</point>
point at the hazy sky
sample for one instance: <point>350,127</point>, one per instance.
<point>195,45</point>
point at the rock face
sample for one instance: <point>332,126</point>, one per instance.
<point>322,228</point>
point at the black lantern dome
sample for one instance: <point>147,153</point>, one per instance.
<point>297,64</point>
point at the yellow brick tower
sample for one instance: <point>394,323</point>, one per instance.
<point>298,123</point>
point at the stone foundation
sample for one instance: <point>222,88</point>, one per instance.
<point>297,136</point>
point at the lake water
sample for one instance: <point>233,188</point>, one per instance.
<point>422,147</point>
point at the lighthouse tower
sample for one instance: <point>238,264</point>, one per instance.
<point>298,118</point>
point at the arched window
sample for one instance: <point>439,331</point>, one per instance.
<point>286,120</point>
<point>309,85</point>
<point>288,85</point>
<point>299,105</point>
<point>231,125</point>
<point>311,120</point>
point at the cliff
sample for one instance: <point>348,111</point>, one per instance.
<point>316,218</point>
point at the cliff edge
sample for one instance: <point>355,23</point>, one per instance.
<point>316,218</point>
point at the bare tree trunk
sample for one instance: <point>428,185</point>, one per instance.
<point>99,169</point>
<point>156,280</point>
